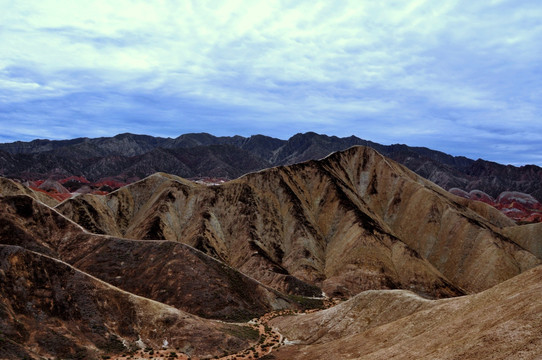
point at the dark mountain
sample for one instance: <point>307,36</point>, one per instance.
<point>168,272</point>
<point>49,308</point>
<point>200,155</point>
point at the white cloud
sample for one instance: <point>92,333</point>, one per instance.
<point>408,64</point>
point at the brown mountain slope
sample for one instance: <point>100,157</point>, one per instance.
<point>10,187</point>
<point>260,225</point>
<point>165,271</point>
<point>177,275</point>
<point>26,222</point>
<point>467,248</point>
<point>528,236</point>
<point>364,311</point>
<point>350,222</point>
<point>55,310</point>
<point>503,322</point>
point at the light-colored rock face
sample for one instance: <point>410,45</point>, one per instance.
<point>503,322</point>
<point>527,236</point>
<point>351,222</point>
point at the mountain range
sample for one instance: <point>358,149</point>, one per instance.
<point>101,165</point>
<point>406,269</point>
<point>129,156</point>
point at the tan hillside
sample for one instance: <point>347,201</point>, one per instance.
<point>528,236</point>
<point>364,311</point>
<point>504,322</point>
<point>350,222</point>
<point>10,187</point>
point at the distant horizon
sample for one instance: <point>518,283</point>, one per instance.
<point>259,134</point>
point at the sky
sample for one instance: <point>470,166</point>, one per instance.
<point>463,77</point>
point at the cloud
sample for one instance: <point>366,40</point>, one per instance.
<point>444,74</point>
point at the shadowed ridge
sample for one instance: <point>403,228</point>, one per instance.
<point>62,312</point>
<point>165,271</point>
<point>26,222</point>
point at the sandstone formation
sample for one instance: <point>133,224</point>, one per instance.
<point>351,222</point>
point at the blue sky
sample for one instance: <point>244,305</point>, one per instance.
<point>463,77</point>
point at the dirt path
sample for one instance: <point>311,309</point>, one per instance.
<point>269,340</point>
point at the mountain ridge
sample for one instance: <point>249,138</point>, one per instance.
<point>127,156</point>
<point>299,219</point>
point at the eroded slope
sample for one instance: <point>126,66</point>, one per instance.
<point>350,222</point>
<point>503,322</point>
<point>165,271</point>
<point>53,309</point>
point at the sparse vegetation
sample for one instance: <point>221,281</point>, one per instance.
<point>243,332</point>
<point>307,303</point>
